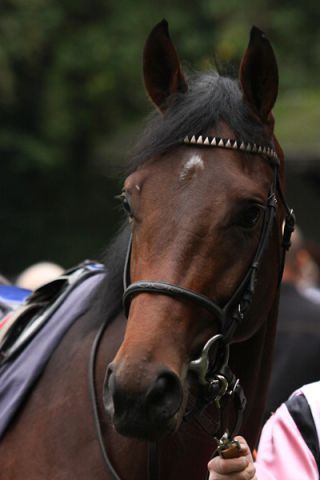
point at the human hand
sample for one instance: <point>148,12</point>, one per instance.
<point>240,468</point>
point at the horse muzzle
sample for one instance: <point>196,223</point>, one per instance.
<point>148,411</point>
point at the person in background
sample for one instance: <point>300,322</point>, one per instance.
<point>3,280</point>
<point>296,355</point>
<point>38,274</point>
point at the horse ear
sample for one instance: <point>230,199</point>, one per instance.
<point>161,67</point>
<point>259,74</point>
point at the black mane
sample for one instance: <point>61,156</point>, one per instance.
<point>210,99</point>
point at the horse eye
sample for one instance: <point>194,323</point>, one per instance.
<point>250,217</point>
<point>125,201</point>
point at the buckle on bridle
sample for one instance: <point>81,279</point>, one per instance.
<point>218,388</point>
<point>201,366</point>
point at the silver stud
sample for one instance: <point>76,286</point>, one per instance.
<point>186,139</point>
<point>206,142</point>
<point>235,145</point>
<point>260,149</point>
<point>200,139</point>
<point>264,150</point>
<point>254,147</point>
<point>221,143</point>
<point>193,139</point>
<point>228,144</point>
<point>249,148</point>
<point>242,146</point>
<point>214,141</point>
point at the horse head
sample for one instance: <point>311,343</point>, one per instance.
<point>206,229</point>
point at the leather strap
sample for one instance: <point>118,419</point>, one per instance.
<point>149,286</point>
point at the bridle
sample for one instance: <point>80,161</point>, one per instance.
<point>218,383</point>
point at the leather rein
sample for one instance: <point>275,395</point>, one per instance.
<point>218,384</point>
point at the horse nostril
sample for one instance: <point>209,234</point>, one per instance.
<point>164,398</point>
<point>109,378</point>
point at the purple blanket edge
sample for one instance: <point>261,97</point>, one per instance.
<point>18,376</point>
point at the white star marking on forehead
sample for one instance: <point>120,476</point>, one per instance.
<point>191,167</point>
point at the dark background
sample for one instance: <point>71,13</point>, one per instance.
<point>72,102</point>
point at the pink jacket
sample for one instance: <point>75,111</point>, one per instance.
<point>283,453</point>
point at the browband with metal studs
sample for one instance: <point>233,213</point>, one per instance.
<point>232,144</point>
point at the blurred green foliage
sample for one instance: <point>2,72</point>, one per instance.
<point>72,100</point>
<point>70,73</point>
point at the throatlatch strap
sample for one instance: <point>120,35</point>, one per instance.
<point>300,411</point>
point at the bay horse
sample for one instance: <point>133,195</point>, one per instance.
<point>201,257</point>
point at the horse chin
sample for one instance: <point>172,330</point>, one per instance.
<point>138,424</point>
<point>141,429</point>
